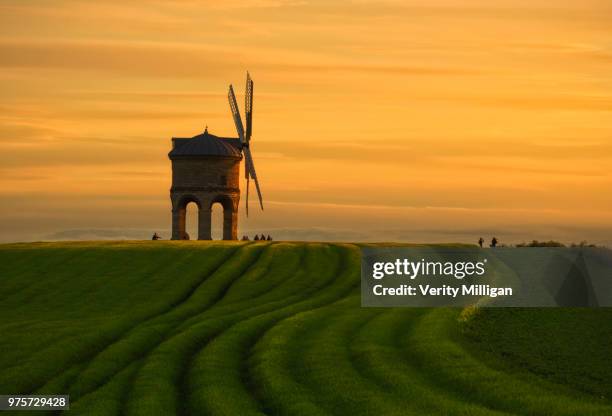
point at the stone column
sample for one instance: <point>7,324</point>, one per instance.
<point>230,224</point>
<point>204,224</point>
<point>178,223</point>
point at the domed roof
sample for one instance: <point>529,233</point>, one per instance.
<point>206,144</point>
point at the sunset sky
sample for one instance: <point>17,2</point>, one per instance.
<point>429,120</point>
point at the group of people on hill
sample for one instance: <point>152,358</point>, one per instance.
<point>257,238</point>
<point>492,245</point>
<point>244,237</point>
<point>262,237</point>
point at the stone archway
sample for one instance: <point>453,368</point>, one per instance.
<point>204,202</point>
<point>230,215</point>
<point>179,216</point>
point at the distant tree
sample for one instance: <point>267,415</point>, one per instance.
<point>536,243</point>
<point>583,244</point>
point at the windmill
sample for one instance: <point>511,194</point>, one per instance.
<point>245,137</point>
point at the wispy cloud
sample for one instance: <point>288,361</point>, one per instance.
<point>436,119</point>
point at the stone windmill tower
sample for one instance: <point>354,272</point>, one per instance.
<point>206,169</point>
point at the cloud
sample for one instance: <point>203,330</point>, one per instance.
<point>16,132</point>
<point>424,152</point>
<point>250,4</point>
<point>79,153</point>
<point>382,69</point>
<point>153,59</point>
<point>180,60</point>
<point>146,95</point>
<point>570,102</point>
<point>102,234</point>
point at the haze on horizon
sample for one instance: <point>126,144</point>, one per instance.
<point>383,120</point>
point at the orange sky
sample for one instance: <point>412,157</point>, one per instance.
<point>432,120</point>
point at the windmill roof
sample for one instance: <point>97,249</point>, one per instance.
<point>206,144</point>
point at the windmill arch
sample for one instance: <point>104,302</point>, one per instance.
<point>179,213</point>
<point>204,200</point>
<point>230,215</point>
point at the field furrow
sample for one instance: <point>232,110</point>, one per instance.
<point>220,367</point>
<point>207,328</point>
<point>145,335</point>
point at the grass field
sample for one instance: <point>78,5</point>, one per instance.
<point>188,328</point>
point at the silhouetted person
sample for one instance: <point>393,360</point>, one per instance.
<point>155,237</point>
<point>480,242</point>
<point>269,238</point>
<point>494,242</point>
<point>256,237</point>
<point>245,238</point>
<point>263,237</point>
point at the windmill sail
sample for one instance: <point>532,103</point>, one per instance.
<point>245,137</point>
<point>236,113</point>
<point>251,168</point>
<point>247,196</point>
<point>248,113</point>
<point>248,107</point>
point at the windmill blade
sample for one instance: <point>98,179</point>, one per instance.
<point>251,167</point>
<point>236,113</point>
<point>247,197</point>
<point>248,106</point>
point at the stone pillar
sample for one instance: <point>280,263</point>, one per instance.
<point>204,224</point>
<point>178,223</point>
<point>230,224</point>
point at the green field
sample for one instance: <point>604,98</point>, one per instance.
<point>190,328</point>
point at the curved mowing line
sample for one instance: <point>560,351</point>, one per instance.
<point>27,378</point>
<point>459,371</point>
<point>220,367</point>
<point>164,362</point>
<point>106,400</point>
<point>280,382</point>
<point>76,271</point>
<point>324,364</point>
<point>224,280</point>
<point>251,293</point>
<point>378,356</point>
<point>185,343</point>
<point>146,335</point>
<point>284,295</point>
<point>26,264</point>
<point>136,324</point>
<point>275,389</point>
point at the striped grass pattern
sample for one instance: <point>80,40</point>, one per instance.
<point>224,328</point>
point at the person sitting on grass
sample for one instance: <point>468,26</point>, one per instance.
<point>155,237</point>
<point>256,238</point>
